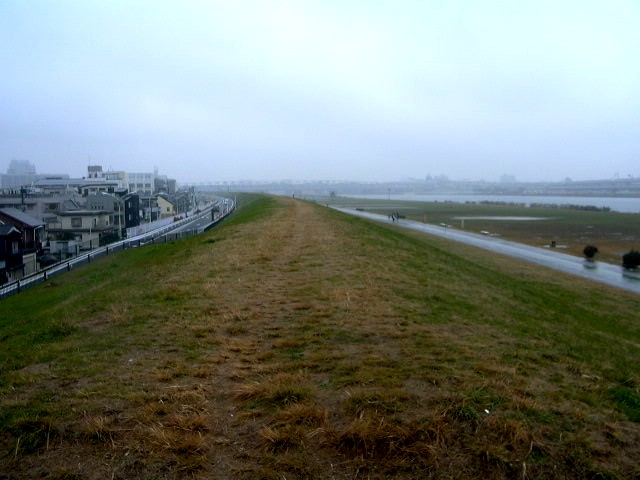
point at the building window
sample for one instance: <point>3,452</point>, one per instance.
<point>15,248</point>
<point>76,222</point>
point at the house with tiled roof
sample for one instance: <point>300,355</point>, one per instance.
<point>11,264</point>
<point>33,235</point>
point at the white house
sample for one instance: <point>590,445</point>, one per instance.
<point>84,226</point>
<point>167,207</point>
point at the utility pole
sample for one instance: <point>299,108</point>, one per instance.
<point>119,222</point>
<point>23,192</point>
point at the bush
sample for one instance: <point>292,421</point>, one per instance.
<point>590,251</point>
<point>631,260</point>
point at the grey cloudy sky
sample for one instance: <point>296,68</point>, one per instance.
<point>337,89</point>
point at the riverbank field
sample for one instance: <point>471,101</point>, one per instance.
<point>614,233</point>
<point>294,341</point>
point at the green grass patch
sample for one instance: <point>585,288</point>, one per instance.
<point>628,401</point>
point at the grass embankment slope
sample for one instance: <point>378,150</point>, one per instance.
<point>296,342</point>
<point>614,233</point>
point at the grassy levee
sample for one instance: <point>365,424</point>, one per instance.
<point>293,341</point>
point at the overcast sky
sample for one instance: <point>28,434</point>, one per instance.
<point>335,90</point>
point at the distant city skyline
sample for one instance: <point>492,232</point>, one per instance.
<point>311,90</point>
<point>429,177</point>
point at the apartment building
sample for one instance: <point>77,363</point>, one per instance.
<point>143,183</point>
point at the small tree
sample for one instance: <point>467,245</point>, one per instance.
<point>590,252</point>
<point>631,260</point>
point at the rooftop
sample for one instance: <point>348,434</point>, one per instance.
<point>7,229</point>
<point>22,217</point>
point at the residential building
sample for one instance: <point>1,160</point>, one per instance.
<point>164,184</point>
<point>143,183</point>
<point>124,208</point>
<point>95,171</point>
<point>83,186</point>
<point>32,232</point>
<point>88,227</point>
<point>98,185</point>
<point>131,210</point>
<point>149,210</point>
<point>120,176</point>
<point>178,204</point>
<point>183,203</point>
<point>113,204</point>
<point>32,229</point>
<point>11,264</point>
<point>40,206</point>
<point>166,206</point>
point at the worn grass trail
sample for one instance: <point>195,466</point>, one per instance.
<point>296,342</point>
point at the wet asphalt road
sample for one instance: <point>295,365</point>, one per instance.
<point>606,273</point>
<point>195,225</point>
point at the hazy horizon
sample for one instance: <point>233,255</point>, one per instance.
<point>309,90</point>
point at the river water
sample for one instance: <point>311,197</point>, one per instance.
<point>617,204</point>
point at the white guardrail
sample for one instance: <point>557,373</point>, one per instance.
<point>159,235</point>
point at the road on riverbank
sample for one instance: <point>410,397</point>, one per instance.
<point>597,271</point>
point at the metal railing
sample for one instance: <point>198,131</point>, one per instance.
<point>161,235</point>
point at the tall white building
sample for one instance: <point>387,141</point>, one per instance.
<point>22,173</point>
<point>142,183</point>
<point>21,167</point>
